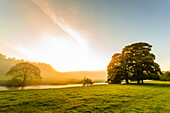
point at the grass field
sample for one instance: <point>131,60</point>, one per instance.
<point>151,97</point>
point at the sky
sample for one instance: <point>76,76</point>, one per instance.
<point>76,35</point>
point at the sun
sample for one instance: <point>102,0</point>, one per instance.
<point>64,54</point>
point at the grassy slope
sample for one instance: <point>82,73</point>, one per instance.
<point>106,98</point>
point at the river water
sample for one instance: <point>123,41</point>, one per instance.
<point>46,86</point>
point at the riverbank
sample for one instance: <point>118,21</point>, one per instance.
<point>50,82</point>
<point>45,86</point>
<point>149,97</point>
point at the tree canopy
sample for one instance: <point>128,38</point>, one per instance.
<point>136,62</point>
<point>24,71</point>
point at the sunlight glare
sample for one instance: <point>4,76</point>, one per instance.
<point>64,54</point>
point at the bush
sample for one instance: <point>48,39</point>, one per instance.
<point>87,81</point>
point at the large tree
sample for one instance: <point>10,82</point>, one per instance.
<point>137,63</point>
<point>114,69</point>
<point>24,72</point>
<point>118,69</point>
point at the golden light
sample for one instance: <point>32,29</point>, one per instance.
<point>64,54</point>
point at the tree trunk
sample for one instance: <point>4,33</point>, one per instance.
<point>23,83</point>
<point>138,81</point>
<point>127,81</point>
<point>142,81</point>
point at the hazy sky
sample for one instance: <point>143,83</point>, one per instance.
<point>74,35</point>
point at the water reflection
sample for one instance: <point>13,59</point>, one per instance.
<point>45,86</point>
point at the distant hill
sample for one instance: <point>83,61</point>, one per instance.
<point>48,72</point>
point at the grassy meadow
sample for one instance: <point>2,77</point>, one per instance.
<point>151,97</point>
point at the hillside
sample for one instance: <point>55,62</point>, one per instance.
<point>48,72</point>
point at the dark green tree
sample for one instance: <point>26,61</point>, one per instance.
<point>137,63</point>
<point>141,61</point>
<point>23,72</point>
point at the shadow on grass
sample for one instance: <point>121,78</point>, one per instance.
<point>152,84</point>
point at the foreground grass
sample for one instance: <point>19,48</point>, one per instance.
<point>151,97</point>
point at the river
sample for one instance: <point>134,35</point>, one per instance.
<point>46,86</point>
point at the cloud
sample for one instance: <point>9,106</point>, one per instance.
<point>59,21</point>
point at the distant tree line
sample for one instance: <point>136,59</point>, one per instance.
<point>165,76</point>
<point>135,62</point>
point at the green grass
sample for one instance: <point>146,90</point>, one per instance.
<point>151,97</point>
